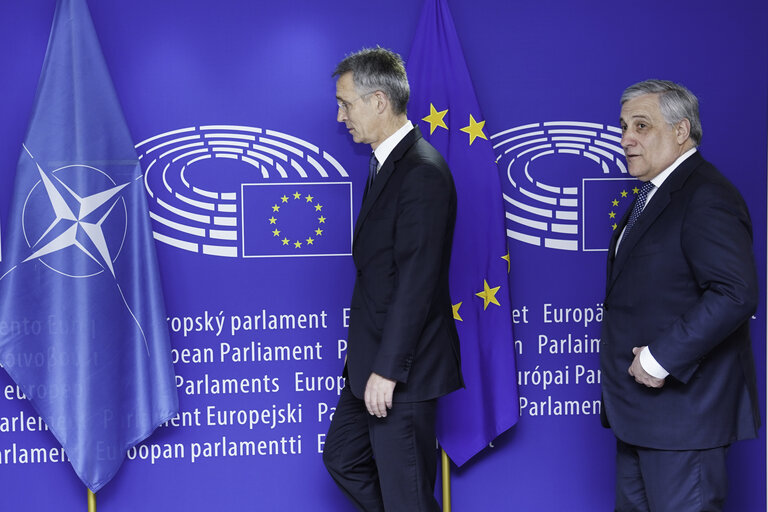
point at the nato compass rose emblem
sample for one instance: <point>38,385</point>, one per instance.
<point>74,220</point>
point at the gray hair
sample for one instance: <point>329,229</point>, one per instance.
<point>675,102</point>
<point>378,69</point>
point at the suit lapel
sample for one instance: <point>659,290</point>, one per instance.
<point>382,177</point>
<point>651,212</point>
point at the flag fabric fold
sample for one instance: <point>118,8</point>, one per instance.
<point>443,101</point>
<point>83,330</point>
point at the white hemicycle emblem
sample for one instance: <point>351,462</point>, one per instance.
<point>195,177</point>
<point>551,168</point>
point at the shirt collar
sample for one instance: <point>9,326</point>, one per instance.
<point>663,175</point>
<point>383,150</point>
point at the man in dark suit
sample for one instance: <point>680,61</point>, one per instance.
<point>678,376</point>
<point>403,350</point>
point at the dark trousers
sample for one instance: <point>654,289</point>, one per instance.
<point>384,464</point>
<point>650,480</point>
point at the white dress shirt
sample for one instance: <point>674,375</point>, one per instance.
<point>386,147</point>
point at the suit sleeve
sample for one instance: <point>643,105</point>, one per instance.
<point>717,243</point>
<point>421,232</point>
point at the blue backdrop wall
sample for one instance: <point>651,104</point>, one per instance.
<point>543,69</point>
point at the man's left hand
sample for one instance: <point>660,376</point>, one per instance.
<point>641,376</point>
<point>378,395</point>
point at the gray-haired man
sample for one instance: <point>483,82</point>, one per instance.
<point>403,348</point>
<point>678,376</point>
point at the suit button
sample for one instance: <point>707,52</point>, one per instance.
<point>359,273</point>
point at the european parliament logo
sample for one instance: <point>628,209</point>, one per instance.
<point>297,219</point>
<point>242,191</point>
<point>566,186</point>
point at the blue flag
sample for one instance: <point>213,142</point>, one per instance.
<point>82,322</point>
<point>444,102</point>
<point>297,219</point>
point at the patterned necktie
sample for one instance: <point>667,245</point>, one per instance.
<point>637,209</point>
<point>373,166</point>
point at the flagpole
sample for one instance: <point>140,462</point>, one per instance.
<point>91,501</point>
<point>446,481</point>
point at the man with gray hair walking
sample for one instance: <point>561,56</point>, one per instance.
<point>678,374</point>
<point>403,349</point>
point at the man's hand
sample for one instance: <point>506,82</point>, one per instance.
<point>378,395</point>
<point>641,376</point>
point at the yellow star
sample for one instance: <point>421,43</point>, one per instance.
<point>309,198</point>
<point>612,215</point>
<point>275,208</point>
<point>435,118</point>
<point>318,207</point>
<point>321,219</point>
<point>297,244</point>
<point>319,232</point>
<point>296,195</point>
<point>615,202</point>
<point>623,193</point>
<point>285,241</point>
<point>635,190</point>
<point>474,129</point>
<point>614,226</point>
<point>276,232</point>
<point>509,261</point>
<point>284,199</point>
<point>310,241</point>
<point>272,220</point>
<point>456,315</point>
<point>488,295</point>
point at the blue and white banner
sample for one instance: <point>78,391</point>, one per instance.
<point>82,324</point>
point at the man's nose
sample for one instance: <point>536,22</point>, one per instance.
<point>627,140</point>
<point>341,115</point>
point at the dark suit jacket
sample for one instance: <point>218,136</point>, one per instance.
<point>683,283</point>
<point>401,321</point>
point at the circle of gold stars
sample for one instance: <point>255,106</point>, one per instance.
<point>615,203</point>
<point>286,202</point>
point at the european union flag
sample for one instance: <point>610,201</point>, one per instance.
<point>443,98</point>
<point>82,321</point>
<point>605,201</point>
<point>297,219</point>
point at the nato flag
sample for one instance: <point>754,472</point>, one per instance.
<point>444,100</point>
<point>82,321</point>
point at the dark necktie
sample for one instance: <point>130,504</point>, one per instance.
<point>373,166</point>
<point>637,209</point>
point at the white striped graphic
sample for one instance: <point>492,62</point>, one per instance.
<point>536,199</point>
<point>201,218</point>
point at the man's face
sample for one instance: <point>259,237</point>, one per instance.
<point>356,111</point>
<point>650,143</point>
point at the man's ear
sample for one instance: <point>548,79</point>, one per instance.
<point>683,131</point>
<point>382,101</point>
